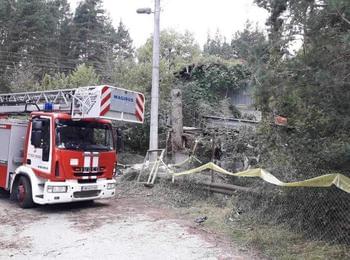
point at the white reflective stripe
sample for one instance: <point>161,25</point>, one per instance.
<point>104,105</point>
<point>139,111</point>
<point>85,177</point>
<point>106,93</point>
<point>140,99</point>
<point>87,161</point>
<point>95,161</point>
<point>93,177</point>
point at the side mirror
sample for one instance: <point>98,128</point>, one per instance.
<point>36,138</point>
<point>119,140</point>
<point>37,124</point>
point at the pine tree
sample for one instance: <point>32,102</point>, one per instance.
<point>123,45</point>
<point>63,35</point>
<point>311,87</point>
<point>31,36</point>
<point>93,34</point>
<point>218,46</point>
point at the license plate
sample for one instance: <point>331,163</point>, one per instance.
<point>90,187</point>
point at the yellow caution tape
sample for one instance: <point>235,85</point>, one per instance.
<point>181,163</point>
<point>191,158</point>
<point>339,180</point>
<point>188,160</point>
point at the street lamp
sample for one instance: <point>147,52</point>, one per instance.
<point>153,138</point>
<point>144,11</point>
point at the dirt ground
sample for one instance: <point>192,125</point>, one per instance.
<point>127,227</point>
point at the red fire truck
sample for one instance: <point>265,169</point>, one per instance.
<point>63,151</point>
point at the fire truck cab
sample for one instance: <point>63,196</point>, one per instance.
<point>57,157</point>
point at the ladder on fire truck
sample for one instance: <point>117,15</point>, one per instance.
<point>106,102</point>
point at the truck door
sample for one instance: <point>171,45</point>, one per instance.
<point>5,136</point>
<point>40,145</point>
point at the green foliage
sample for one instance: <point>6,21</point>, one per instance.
<point>310,88</point>
<point>208,82</point>
<point>176,49</point>
<point>45,36</point>
<point>23,79</point>
<point>218,46</point>
<point>84,76</point>
<point>30,36</point>
<point>216,77</point>
<point>57,81</point>
<point>123,45</point>
<point>251,45</point>
<point>96,39</point>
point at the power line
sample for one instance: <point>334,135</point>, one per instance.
<point>7,65</point>
<point>90,37</point>
<point>44,58</point>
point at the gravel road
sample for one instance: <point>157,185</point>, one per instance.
<point>121,228</point>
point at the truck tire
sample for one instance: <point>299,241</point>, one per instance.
<point>24,193</point>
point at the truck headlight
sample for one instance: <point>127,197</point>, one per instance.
<point>74,162</point>
<point>57,189</point>
<point>110,186</point>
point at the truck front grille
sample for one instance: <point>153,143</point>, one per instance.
<point>86,193</point>
<point>82,174</point>
<point>87,180</point>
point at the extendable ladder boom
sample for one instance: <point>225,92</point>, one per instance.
<point>32,101</point>
<point>84,102</point>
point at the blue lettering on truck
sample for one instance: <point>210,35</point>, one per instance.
<point>124,98</point>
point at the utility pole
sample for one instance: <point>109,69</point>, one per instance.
<point>153,137</point>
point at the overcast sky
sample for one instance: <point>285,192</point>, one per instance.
<point>197,16</point>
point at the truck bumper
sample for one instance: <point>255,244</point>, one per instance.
<point>55,192</point>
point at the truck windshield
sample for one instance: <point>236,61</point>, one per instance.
<point>82,135</point>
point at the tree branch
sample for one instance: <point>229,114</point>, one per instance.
<point>343,17</point>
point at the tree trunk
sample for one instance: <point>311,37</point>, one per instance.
<point>177,123</point>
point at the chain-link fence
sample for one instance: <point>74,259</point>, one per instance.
<point>285,222</point>
<point>309,222</point>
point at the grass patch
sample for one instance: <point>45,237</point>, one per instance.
<point>268,239</point>
<point>273,241</point>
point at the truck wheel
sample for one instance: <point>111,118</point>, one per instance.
<point>24,193</point>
